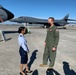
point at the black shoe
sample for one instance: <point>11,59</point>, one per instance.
<point>49,69</point>
<point>29,71</point>
<point>22,74</point>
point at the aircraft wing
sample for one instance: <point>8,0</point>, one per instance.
<point>72,22</point>
<point>71,19</point>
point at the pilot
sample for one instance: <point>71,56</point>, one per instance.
<point>23,50</point>
<point>51,43</point>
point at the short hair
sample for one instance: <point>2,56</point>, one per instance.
<point>51,18</point>
<point>21,29</point>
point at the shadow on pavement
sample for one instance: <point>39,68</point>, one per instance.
<point>32,58</point>
<point>8,32</point>
<point>8,39</point>
<point>67,70</point>
<point>35,72</point>
<point>52,72</point>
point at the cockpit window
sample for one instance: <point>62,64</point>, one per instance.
<point>23,18</point>
<point>20,17</point>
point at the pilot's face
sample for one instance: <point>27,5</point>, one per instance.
<point>24,31</point>
<point>50,21</point>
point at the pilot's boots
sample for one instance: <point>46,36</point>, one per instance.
<point>42,65</point>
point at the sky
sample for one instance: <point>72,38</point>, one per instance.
<point>41,8</point>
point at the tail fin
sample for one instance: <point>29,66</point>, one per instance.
<point>66,17</point>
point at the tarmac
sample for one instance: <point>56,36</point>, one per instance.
<point>66,52</point>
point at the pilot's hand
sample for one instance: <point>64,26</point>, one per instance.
<point>45,44</point>
<point>53,49</point>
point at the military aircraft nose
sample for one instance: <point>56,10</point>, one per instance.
<point>10,15</point>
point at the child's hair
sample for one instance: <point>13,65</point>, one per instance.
<point>21,29</point>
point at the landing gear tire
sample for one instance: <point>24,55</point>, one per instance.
<point>64,27</point>
<point>44,27</point>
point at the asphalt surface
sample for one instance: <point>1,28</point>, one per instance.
<point>66,53</point>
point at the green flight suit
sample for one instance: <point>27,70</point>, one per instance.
<point>51,41</point>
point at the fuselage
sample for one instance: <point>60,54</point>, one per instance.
<point>32,20</point>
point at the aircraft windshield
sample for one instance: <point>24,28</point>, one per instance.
<point>20,17</point>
